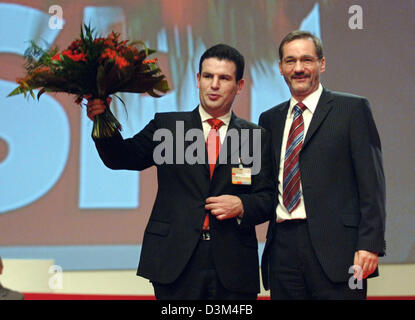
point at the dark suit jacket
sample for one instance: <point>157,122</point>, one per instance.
<point>342,180</point>
<point>175,224</point>
<point>7,294</point>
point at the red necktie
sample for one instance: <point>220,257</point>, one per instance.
<point>291,174</point>
<point>213,147</point>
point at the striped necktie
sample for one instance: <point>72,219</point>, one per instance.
<point>291,175</point>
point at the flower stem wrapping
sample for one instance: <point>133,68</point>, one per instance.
<point>105,124</point>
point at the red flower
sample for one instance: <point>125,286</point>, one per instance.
<point>147,61</point>
<point>75,45</point>
<point>74,55</point>
<point>41,69</point>
<point>70,54</point>
<point>121,62</point>
<point>57,57</point>
<point>77,56</point>
<point>108,53</point>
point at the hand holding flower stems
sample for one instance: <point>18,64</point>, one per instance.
<point>96,106</point>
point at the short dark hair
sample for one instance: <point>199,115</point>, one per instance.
<point>299,34</point>
<point>225,52</point>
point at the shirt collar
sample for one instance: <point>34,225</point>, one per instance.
<point>310,101</point>
<point>204,116</point>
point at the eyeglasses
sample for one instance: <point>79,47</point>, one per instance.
<point>306,61</point>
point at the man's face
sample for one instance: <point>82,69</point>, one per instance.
<point>301,67</point>
<point>218,86</point>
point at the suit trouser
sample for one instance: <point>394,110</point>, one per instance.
<point>199,280</point>
<point>296,273</point>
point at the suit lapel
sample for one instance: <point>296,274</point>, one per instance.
<point>277,134</point>
<point>226,151</point>
<point>233,153</point>
<point>195,120</point>
<point>323,108</point>
<point>196,123</point>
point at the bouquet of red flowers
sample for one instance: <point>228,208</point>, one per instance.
<point>96,67</point>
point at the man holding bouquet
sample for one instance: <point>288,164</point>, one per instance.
<point>200,241</point>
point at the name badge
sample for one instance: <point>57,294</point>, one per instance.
<point>241,176</point>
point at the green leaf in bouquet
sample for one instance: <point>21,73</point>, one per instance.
<point>121,100</point>
<point>140,84</point>
<point>162,86</point>
<point>110,79</point>
<point>146,51</point>
<point>16,91</point>
<point>41,91</point>
<point>36,56</point>
<point>152,93</point>
<point>101,83</point>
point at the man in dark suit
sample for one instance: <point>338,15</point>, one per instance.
<point>6,293</point>
<point>329,219</point>
<point>200,241</point>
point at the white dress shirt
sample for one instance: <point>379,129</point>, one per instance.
<point>310,102</point>
<point>206,126</point>
<point>204,116</point>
